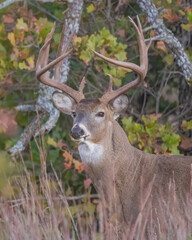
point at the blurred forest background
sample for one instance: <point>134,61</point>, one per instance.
<point>45,186</point>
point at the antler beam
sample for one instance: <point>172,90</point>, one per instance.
<point>42,68</point>
<point>141,70</point>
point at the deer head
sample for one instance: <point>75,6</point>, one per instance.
<point>91,117</point>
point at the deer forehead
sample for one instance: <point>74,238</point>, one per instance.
<point>91,106</point>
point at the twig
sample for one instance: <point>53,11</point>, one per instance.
<point>43,10</point>
<point>72,198</point>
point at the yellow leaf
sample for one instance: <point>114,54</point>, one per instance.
<point>78,165</point>
<point>90,8</point>
<point>186,27</point>
<point>51,142</point>
<point>22,65</point>
<point>30,61</point>
<point>77,39</point>
<point>21,25</point>
<point>182,12</point>
<point>11,37</point>
<point>161,46</point>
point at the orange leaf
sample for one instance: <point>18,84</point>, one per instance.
<point>24,53</point>
<point>67,156</point>
<point>8,124</point>
<point>186,143</point>
<point>178,2</point>
<point>161,46</point>
<point>67,165</point>
<point>69,160</point>
<point>170,15</point>
<point>16,52</point>
<point>61,144</point>
<point>8,18</point>
<point>121,33</point>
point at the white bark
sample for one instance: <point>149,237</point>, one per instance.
<point>150,10</point>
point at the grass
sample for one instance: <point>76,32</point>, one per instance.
<point>40,209</point>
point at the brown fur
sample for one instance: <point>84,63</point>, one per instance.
<point>131,181</point>
<point>118,177</point>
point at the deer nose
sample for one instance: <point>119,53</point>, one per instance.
<point>77,132</point>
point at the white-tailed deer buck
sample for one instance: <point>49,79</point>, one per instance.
<point>132,182</point>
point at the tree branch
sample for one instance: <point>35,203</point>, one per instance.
<point>44,101</point>
<point>172,42</point>
<point>9,2</point>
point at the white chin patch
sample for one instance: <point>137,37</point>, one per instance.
<point>90,152</point>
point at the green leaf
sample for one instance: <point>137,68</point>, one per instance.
<point>137,127</point>
<point>127,123</point>
<point>104,33</point>
<point>53,155</point>
<point>56,38</point>
<point>2,31</point>
<point>186,125</point>
<point>117,82</point>
<point>2,50</point>
<point>189,16</point>
<point>168,59</point>
<point>186,27</point>
<point>121,55</point>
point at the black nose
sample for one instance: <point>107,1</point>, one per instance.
<point>77,132</point>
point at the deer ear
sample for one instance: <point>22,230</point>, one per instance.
<point>63,102</point>
<point>119,105</point>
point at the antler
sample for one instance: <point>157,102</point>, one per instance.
<point>141,70</point>
<point>42,67</point>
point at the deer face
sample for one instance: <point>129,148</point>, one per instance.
<point>91,118</point>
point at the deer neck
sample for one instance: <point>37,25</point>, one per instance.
<point>107,148</point>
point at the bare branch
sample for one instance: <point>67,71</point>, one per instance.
<point>26,135</point>
<point>9,2</point>
<point>26,108</point>
<point>165,34</point>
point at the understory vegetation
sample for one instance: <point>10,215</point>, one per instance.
<point>44,191</point>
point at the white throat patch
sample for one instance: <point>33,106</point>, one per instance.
<point>90,152</point>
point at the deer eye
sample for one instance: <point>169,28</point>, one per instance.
<point>100,114</point>
<point>74,114</point>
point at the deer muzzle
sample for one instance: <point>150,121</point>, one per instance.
<point>77,132</point>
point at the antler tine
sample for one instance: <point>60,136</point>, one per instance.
<point>110,87</point>
<point>141,70</point>
<point>61,50</point>
<point>44,51</point>
<point>42,67</point>
<point>82,85</point>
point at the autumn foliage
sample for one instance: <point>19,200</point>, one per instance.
<point>158,119</point>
